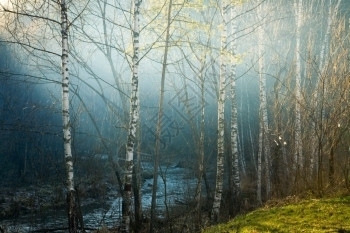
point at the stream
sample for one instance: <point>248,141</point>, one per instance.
<point>180,186</point>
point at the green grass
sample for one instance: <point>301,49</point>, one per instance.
<point>315,215</point>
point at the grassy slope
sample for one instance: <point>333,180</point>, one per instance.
<point>315,215</point>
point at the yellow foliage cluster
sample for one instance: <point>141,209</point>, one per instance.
<point>187,25</point>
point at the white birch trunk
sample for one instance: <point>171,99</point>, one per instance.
<point>234,129</point>
<point>67,137</point>
<point>221,120</point>
<point>298,150</point>
<point>325,44</point>
<point>241,140</point>
<point>201,143</point>
<point>134,119</point>
<point>263,106</point>
<point>241,153</point>
<point>259,168</point>
<point>65,99</point>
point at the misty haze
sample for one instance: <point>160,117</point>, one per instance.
<point>174,116</point>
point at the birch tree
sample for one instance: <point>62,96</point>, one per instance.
<point>201,142</point>
<point>221,114</point>
<point>298,150</point>
<point>261,126</point>
<point>134,119</point>
<point>67,137</point>
<point>264,143</point>
<point>29,16</point>
<point>235,179</point>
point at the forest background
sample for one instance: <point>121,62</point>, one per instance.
<point>249,98</point>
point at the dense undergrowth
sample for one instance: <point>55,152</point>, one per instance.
<point>313,215</point>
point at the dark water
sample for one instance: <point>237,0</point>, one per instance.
<point>96,214</point>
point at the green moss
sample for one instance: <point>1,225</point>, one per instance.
<point>315,215</point>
